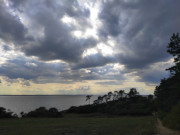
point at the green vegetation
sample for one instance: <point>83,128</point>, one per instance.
<point>168,92</point>
<point>118,103</point>
<point>172,120</point>
<point>78,125</point>
<point>42,112</point>
<point>6,114</point>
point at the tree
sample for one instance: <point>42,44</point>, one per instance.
<point>174,49</point>
<point>6,114</point>
<point>106,98</point>
<point>150,97</point>
<point>133,93</point>
<point>88,97</point>
<point>110,95</point>
<point>121,93</point>
<point>168,92</point>
<point>95,102</point>
<point>100,99</point>
<point>115,95</point>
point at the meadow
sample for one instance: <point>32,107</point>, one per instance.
<point>79,125</point>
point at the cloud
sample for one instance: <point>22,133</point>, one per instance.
<point>141,31</point>
<point>83,89</point>
<point>155,72</point>
<point>6,48</point>
<point>109,83</point>
<point>43,72</point>
<point>24,83</point>
<point>31,64</point>
<point>55,72</point>
<point>41,32</point>
<point>20,81</point>
<point>95,60</point>
<point>141,28</point>
<point>11,28</point>
<point>30,69</point>
<point>39,40</point>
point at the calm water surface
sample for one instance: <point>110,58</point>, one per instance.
<point>18,104</point>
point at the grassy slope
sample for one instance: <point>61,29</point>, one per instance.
<point>74,125</point>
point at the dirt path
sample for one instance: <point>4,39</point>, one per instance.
<point>165,131</point>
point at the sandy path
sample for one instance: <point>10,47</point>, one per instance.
<point>165,131</point>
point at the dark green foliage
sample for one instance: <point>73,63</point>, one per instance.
<point>168,92</point>
<point>174,49</point>
<point>43,112</point>
<point>82,109</point>
<point>122,104</point>
<point>5,114</point>
<point>133,93</point>
<point>172,120</point>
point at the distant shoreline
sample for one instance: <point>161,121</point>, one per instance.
<point>47,95</point>
<point>55,95</point>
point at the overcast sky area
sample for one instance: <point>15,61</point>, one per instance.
<point>85,46</point>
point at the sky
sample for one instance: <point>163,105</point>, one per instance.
<point>85,46</point>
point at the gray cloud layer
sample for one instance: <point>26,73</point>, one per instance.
<point>141,30</point>
<point>56,42</point>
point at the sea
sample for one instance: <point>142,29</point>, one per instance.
<point>26,103</point>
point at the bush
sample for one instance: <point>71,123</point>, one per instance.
<point>5,114</point>
<point>172,119</point>
<point>43,112</point>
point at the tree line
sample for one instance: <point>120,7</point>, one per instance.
<point>116,95</point>
<point>118,103</point>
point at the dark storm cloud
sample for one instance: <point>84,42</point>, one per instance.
<point>40,72</point>
<point>11,29</point>
<point>69,50</point>
<point>17,3</point>
<point>153,77</point>
<point>95,60</point>
<point>70,7</point>
<point>141,28</point>
<point>56,72</point>
<point>57,42</point>
<point>154,73</point>
<point>45,16</point>
<point>29,70</point>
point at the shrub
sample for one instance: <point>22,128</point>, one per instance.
<point>5,114</point>
<point>43,112</point>
<point>172,119</point>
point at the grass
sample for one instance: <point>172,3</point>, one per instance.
<point>78,125</point>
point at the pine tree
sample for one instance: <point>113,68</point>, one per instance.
<point>174,49</point>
